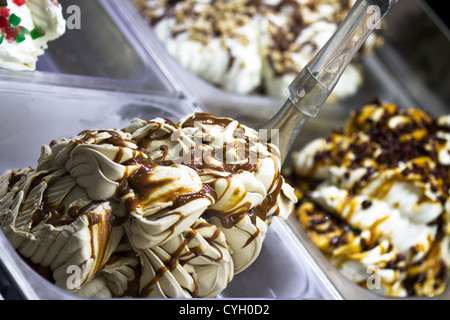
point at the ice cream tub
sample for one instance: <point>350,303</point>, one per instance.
<point>208,94</point>
<point>65,96</point>
<point>96,52</point>
<point>310,275</point>
<point>35,114</point>
<point>380,70</point>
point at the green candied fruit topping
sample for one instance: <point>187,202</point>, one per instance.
<point>20,38</point>
<point>24,30</point>
<point>37,32</point>
<point>3,3</point>
<point>14,20</point>
<point>1,38</point>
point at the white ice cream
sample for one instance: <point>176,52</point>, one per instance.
<point>45,14</point>
<point>231,61</point>
<point>251,47</point>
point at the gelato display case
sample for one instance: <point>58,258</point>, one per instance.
<point>111,68</point>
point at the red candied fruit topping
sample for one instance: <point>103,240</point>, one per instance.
<point>11,33</point>
<point>9,24</point>
<point>4,23</point>
<point>4,11</point>
<point>19,3</point>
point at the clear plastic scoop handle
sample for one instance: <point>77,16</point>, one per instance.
<point>314,84</point>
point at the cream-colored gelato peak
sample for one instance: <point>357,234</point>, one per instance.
<point>158,209</point>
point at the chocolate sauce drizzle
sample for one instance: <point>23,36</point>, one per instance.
<point>139,184</point>
<point>414,142</point>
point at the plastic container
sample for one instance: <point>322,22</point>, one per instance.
<point>387,74</point>
<point>101,54</point>
<point>66,96</point>
<point>205,93</point>
<point>412,69</point>
<point>36,114</point>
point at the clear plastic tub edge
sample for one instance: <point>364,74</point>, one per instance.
<point>54,103</point>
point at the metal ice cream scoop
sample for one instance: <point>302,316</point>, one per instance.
<point>314,84</point>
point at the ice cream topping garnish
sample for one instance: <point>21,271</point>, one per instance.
<point>157,209</point>
<point>11,28</point>
<point>26,27</point>
<point>375,199</point>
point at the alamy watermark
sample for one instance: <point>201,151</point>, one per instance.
<point>373,282</point>
<point>73,281</point>
<point>373,22</point>
<point>73,20</point>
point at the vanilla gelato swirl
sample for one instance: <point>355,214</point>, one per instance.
<point>251,46</point>
<point>41,21</point>
<point>376,196</point>
<point>157,209</point>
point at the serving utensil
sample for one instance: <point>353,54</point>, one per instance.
<point>314,84</point>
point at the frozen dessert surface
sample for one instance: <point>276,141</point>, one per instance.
<point>156,209</point>
<point>26,27</point>
<point>375,198</point>
<point>251,46</point>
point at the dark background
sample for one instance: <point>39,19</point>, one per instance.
<point>441,8</point>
